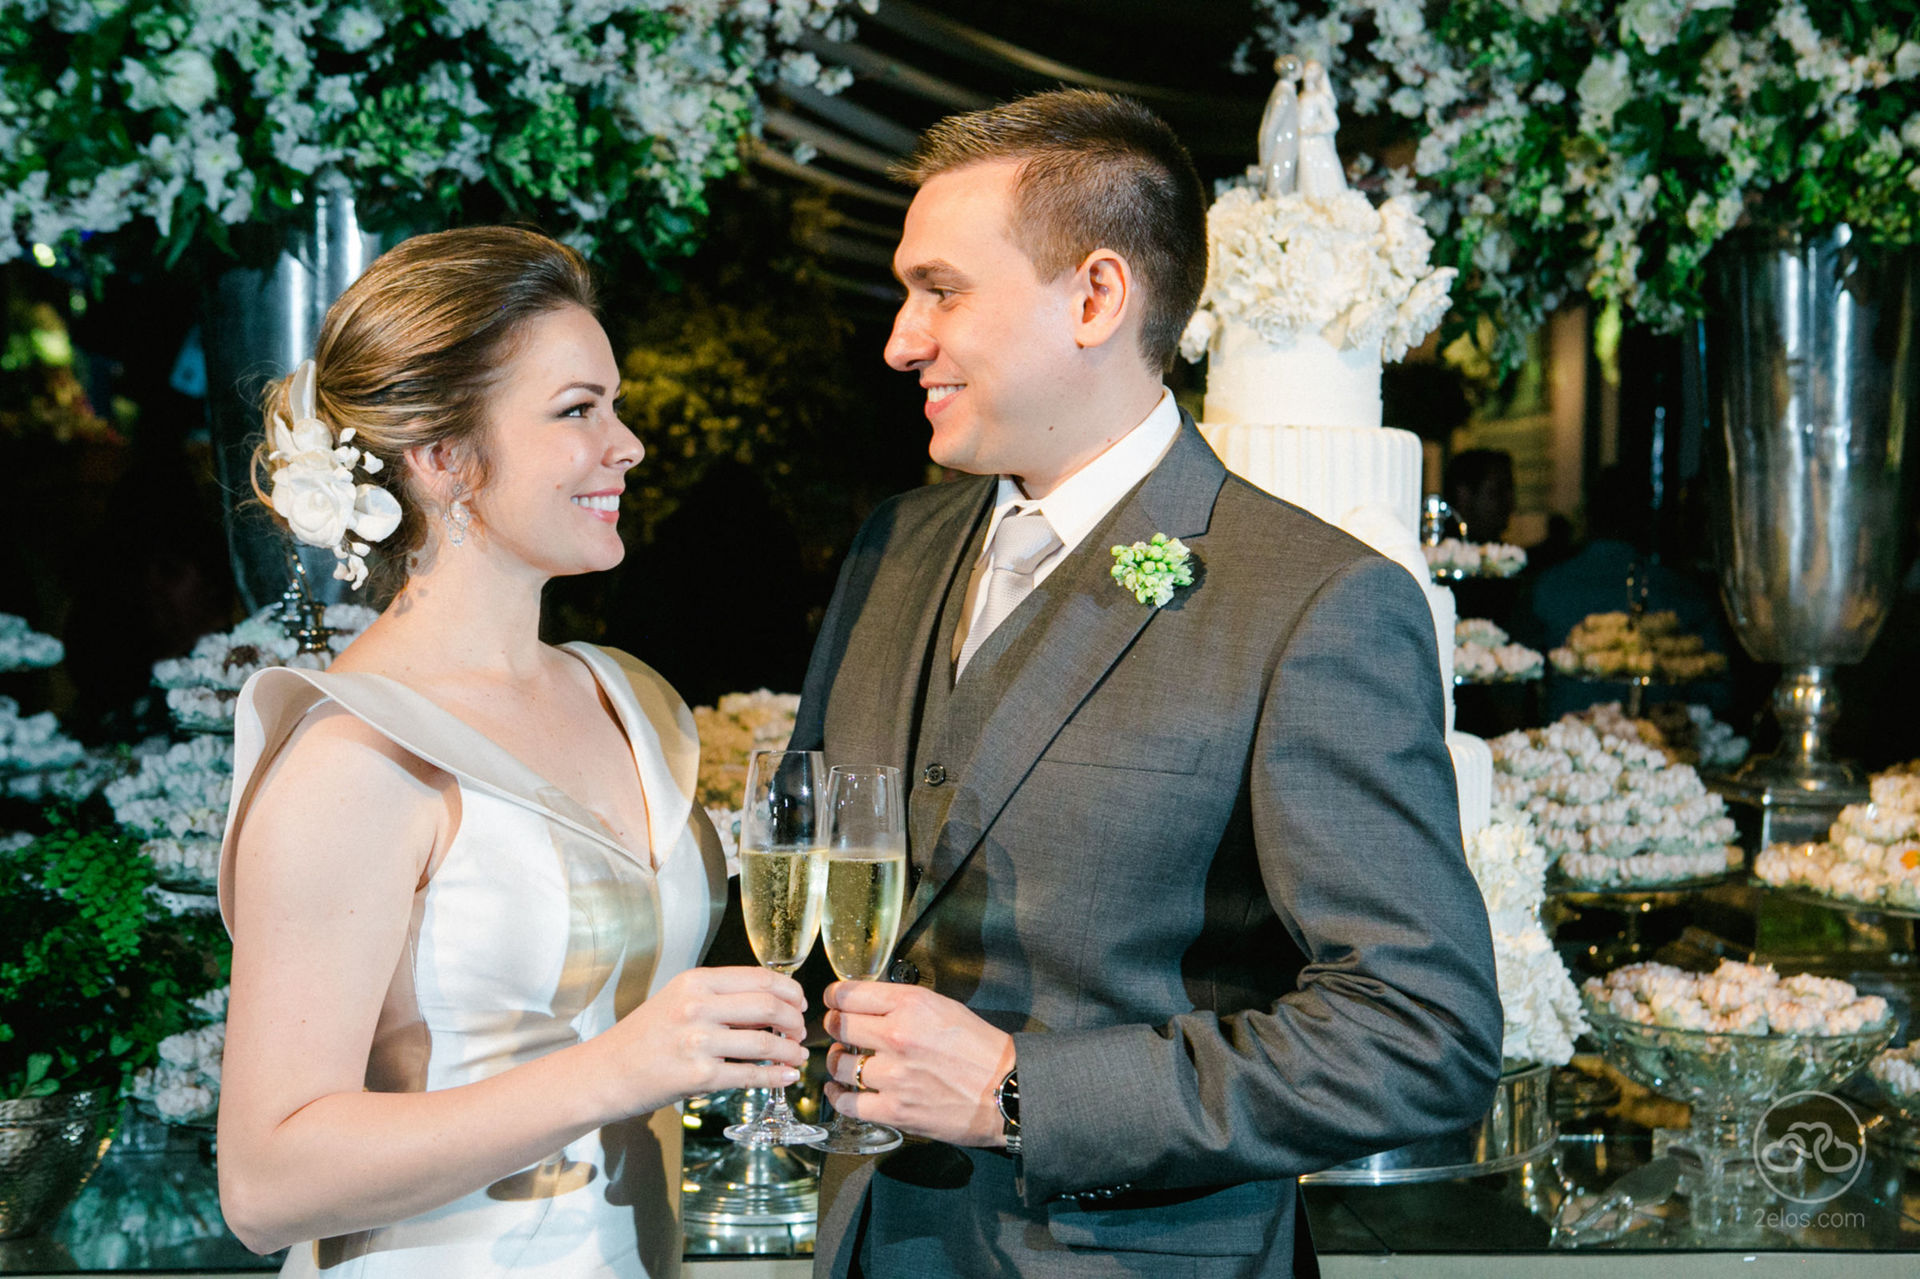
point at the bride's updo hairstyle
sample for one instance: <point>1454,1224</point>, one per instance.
<point>409,354</point>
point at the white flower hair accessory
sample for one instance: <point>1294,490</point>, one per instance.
<point>314,489</point>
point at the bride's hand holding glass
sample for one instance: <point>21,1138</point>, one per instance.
<point>782,881</point>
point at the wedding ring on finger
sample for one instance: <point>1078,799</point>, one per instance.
<point>859,1064</point>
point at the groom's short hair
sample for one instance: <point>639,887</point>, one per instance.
<point>1096,171</point>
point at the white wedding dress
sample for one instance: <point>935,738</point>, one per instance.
<point>538,930</point>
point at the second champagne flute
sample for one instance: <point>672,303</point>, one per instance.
<point>866,884</point>
<point>782,879</point>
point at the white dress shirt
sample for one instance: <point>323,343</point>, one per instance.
<point>1077,503</point>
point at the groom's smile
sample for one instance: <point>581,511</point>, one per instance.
<point>992,343</point>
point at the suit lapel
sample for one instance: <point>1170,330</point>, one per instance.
<point>874,710</point>
<point>1033,672</point>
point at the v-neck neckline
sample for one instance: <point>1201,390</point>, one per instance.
<point>542,788</point>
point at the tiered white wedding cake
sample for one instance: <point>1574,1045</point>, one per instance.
<point>1309,288</point>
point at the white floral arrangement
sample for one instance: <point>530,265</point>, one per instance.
<point>1606,149</point>
<point>24,649</point>
<point>1736,998</point>
<point>1898,1071</point>
<point>183,1087</point>
<point>740,724</point>
<point>1452,558</point>
<point>1485,654</point>
<point>1612,810</point>
<point>1871,854</point>
<point>1290,266</point>
<point>202,687</point>
<point>188,120</point>
<point>1619,645</point>
<point>1541,1008</point>
<point>177,793</point>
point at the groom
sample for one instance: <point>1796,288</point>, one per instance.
<point>1187,910</point>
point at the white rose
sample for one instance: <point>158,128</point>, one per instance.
<point>1603,88</point>
<point>187,79</point>
<point>376,513</point>
<point>356,29</point>
<point>316,500</point>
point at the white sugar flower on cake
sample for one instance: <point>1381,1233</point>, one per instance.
<point>1291,266</point>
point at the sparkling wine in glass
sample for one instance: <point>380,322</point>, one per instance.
<point>782,880</point>
<point>860,920</point>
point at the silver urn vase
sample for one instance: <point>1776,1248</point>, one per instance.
<point>1809,359</point>
<point>258,324</point>
<point>49,1146</point>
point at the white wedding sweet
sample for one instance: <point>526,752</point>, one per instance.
<point>24,649</point>
<point>38,761</point>
<point>1613,810</point>
<point>1615,645</point>
<point>1308,291</point>
<point>1483,653</point>
<point>183,1087</point>
<point>1898,1071</point>
<point>1735,999</point>
<point>201,687</point>
<point>740,724</point>
<point>1872,850</point>
<point>175,802</point>
<point>1541,1008</point>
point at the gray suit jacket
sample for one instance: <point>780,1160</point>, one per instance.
<point>1203,861</point>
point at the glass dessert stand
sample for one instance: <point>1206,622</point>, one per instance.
<point>1740,1154</point>
<point>1571,899</point>
<point>1636,686</point>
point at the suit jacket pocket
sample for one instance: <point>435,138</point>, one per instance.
<point>1234,1222</point>
<point>1103,747</point>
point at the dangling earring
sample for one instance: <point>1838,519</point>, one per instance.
<point>458,518</point>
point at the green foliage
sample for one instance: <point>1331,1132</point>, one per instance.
<point>1605,148</point>
<point>134,127</point>
<point>753,382</point>
<point>89,984</point>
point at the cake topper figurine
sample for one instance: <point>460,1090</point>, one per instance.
<point>1280,131</point>
<point>1320,174</point>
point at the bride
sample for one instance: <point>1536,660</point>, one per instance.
<point>465,877</point>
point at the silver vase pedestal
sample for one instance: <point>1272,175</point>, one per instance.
<point>259,323</point>
<point>1809,360</point>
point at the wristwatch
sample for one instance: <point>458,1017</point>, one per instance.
<point>1007,1098</point>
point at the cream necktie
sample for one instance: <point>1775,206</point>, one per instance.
<point>1020,544</point>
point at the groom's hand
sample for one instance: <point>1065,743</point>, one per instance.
<point>932,1067</point>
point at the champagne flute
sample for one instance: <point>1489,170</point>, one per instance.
<point>782,880</point>
<point>860,920</point>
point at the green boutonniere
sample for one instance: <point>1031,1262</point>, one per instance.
<point>1152,569</point>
